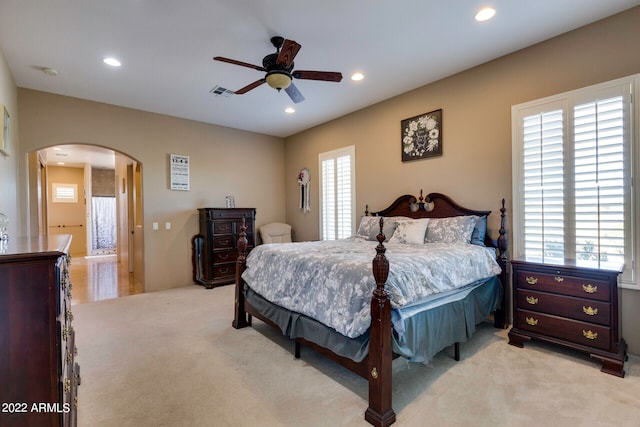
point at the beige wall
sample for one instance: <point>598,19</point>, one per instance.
<point>9,165</point>
<point>224,162</point>
<point>475,168</point>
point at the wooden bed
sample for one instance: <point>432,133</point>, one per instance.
<point>376,367</point>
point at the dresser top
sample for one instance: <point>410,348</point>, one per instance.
<point>571,263</point>
<point>34,247</point>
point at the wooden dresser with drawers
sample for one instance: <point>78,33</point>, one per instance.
<point>572,304</point>
<point>215,248</point>
<point>38,365</point>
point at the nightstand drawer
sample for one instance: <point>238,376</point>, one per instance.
<point>583,333</point>
<point>574,308</point>
<point>582,287</point>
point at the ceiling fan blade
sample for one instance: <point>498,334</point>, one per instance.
<point>248,87</point>
<point>288,52</point>
<point>243,64</point>
<point>294,93</point>
<point>328,76</point>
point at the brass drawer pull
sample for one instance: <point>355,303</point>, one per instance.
<point>590,289</point>
<point>67,386</point>
<point>532,300</point>
<point>69,315</point>
<point>590,335</point>
<point>559,279</point>
<point>531,321</point>
<point>65,333</point>
<point>532,280</point>
<point>224,256</point>
<point>589,311</point>
<point>75,402</point>
<point>224,270</point>
<point>69,358</point>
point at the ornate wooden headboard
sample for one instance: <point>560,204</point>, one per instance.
<point>435,205</point>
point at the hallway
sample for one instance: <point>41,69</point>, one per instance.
<point>101,277</point>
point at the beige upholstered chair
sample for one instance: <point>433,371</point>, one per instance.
<point>275,232</point>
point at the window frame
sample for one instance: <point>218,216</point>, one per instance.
<point>335,154</point>
<point>629,88</point>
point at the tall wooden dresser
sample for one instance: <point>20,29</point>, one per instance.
<point>215,249</point>
<point>573,304</point>
<point>37,341</point>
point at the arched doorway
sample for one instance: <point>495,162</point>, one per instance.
<point>102,211</point>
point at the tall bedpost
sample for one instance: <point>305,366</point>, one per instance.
<point>380,413</point>
<point>500,320</point>
<point>240,316</point>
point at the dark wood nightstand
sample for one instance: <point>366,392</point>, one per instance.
<point>569,303</point>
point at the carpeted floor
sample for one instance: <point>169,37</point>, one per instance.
<point>171,358</point>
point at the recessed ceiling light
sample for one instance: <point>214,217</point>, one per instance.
<point>112,61</point>
<point>61,163</point>
<point>485,14</point>
<point>289,110</point>
<point>357,76</point>
<point>57,149</point>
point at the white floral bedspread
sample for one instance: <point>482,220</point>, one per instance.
<point>332,281</point>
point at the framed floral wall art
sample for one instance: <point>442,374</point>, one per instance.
<point>422,136</point>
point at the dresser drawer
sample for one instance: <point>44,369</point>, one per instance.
<point>224,242</point>
<point>575,308</point>
<point>582,287</point>
<point>223,227</point>
<point>221,213</point>
<point>583,333</point>
<point>220,257</point>
<point>224,270</point>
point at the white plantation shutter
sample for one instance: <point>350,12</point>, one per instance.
<point>328,202</point>
<point>572,176</point>
<point>599,180</point>
<point>337,193</point>
<point>543,185</point>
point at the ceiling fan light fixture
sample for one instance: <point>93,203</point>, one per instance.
<point>278,79</point>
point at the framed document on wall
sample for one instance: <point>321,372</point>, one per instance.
<point>179,172</point>
<point>4,142</point>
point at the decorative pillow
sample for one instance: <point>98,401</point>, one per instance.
<point>479,231</point>
<point>410,231</point>
<point>456,229</point>
<point>370,227</point>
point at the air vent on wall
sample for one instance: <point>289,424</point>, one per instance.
<point>220,91</point>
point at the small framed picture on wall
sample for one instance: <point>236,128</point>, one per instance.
<point>4,143</point>
<point>421,136</point>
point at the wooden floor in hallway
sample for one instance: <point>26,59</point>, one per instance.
<point>98,278</point>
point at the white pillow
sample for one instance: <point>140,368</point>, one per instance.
<point>456,229</point>
<point>410,231</point>
<point>370,227</point>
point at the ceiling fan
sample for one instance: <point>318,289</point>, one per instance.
<point>279,69</point>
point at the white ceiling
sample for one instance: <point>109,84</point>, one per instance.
<point>166,48</point>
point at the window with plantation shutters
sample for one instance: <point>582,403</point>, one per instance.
<point>572,176</point>
<point>337,193</point>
